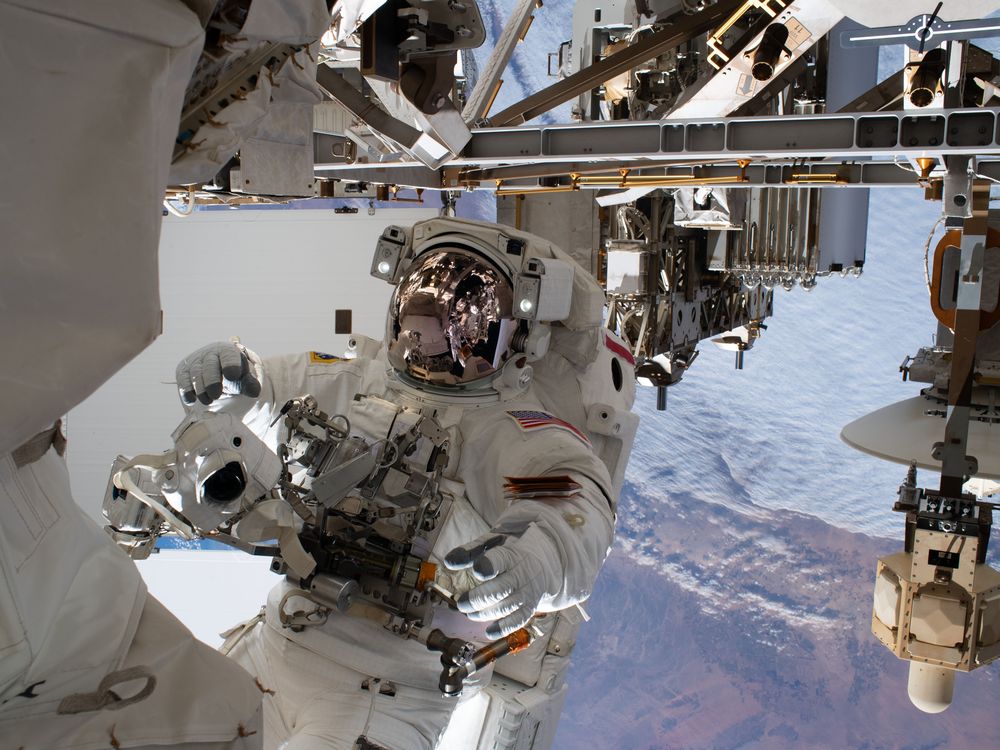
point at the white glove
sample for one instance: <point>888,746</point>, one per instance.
<point>519,571</point>
<point>218,369</point>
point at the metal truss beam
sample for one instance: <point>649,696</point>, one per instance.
<point>791,137</point>
<point>562,149</point>
<point>603,70</point>
<point>934,133</point>
<point>479,102</point>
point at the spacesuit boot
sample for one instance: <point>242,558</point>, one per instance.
<point>522,498</point>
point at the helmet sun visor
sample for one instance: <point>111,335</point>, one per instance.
<point>450,319</point>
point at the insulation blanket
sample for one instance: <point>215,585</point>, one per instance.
<point>93,92</point>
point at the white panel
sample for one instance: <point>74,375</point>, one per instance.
<point>209,590</point>
<point>273,278</point>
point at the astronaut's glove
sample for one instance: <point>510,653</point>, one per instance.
<point>518,570</point>
<point>221,368</point>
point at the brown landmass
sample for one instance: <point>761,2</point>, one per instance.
<point>730,626</point>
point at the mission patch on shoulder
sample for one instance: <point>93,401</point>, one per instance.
<point>530,420</point>
<point>319,358</point>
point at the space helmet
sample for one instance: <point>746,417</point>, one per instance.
<point>451,321</point>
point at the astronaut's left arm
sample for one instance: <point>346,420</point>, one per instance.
<point>581,528</point>
<point>542,553</point>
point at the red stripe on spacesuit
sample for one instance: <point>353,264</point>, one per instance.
<point>618,349</point>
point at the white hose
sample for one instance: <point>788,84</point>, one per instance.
<point>904,167</point>
<point>123,481</point>
<point>984,177</point>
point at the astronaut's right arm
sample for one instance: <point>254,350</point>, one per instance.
<point>227,377</point>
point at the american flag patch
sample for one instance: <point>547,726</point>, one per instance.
<point>535,420</point>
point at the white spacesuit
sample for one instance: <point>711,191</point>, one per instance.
<point>492,335</point>
<point>87,659</point>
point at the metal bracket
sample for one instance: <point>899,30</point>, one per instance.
<point>717,56</point>
<point>958,187</point>
<point>922,30</point>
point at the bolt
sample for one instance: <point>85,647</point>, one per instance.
<point>437,101</point>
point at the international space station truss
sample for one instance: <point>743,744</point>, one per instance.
<point>729,145</point>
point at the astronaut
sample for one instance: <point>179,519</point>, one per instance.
<point>496,335</point>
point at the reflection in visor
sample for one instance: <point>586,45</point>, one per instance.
<point>450,319</point>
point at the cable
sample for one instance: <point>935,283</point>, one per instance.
<point>904,167</point>
<point>635,32</point>
<point>927,251</point>
<point>927,245</point>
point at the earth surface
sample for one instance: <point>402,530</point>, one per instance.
<point>734,610</point>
